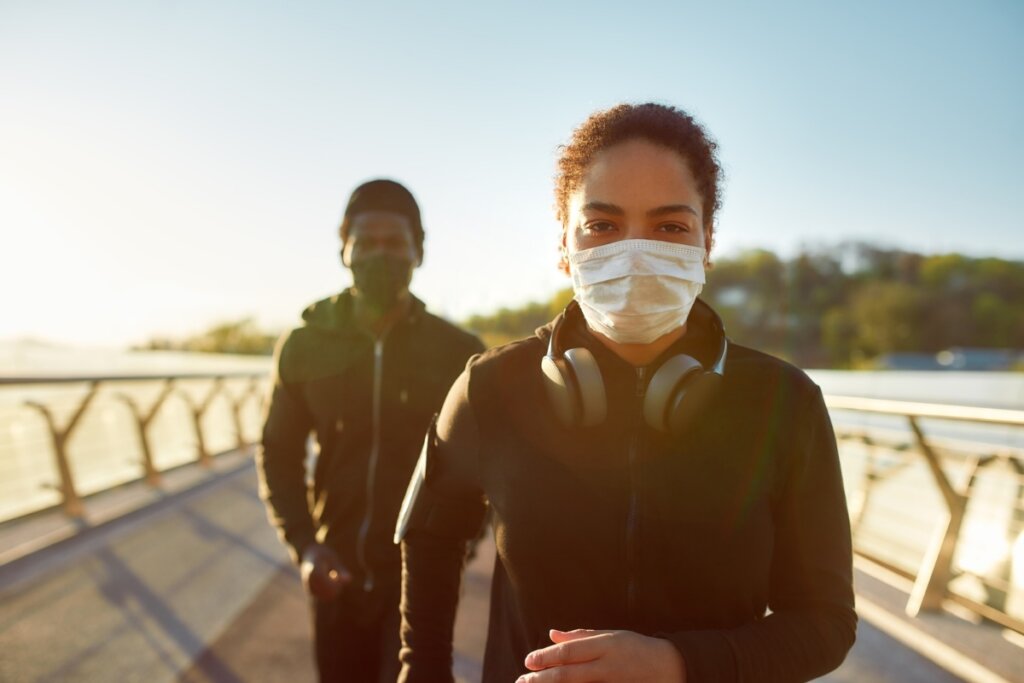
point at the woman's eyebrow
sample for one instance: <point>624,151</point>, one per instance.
<point>672,208</point>
<point>604,207</point>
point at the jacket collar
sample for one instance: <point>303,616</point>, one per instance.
<point>335,314</point>
<point>702,340</point>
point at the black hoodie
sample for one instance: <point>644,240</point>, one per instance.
<point>368,403</point>
<point>619,526</point>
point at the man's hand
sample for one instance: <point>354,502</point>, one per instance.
<point>585,656</point>
<point>322,572</point>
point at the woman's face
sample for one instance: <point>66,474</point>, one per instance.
<point>635,190</point>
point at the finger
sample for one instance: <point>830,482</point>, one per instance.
<point>331,569</point>
<point>320,575</point>
<point>323,589</point>
<point>574,651</point>
<point>587,672</point>
<point>339,576</point>
<point>563,636</point>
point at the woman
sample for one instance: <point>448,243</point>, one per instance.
<point>666,506</point>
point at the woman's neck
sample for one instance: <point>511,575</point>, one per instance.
<point>639,355</point>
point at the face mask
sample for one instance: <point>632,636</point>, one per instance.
<point>381,278</point>
<point>635,291</point>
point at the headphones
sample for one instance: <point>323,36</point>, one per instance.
<point>674,394</point>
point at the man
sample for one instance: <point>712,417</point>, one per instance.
<point>365,374</point>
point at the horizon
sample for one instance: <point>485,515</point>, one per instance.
<point>170,167</point>
<point>141,345</point>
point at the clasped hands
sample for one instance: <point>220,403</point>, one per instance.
<point>588,656</point>
<point>580,656</point>
<point>323,575</point>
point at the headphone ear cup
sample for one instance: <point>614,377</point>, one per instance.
<point>563,394</point>
<point>690,401</point>
<point>593,402</point>
<point>666,388</point>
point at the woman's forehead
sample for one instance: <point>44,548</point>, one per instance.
<point>637,174</point>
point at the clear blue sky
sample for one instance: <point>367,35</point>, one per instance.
<point>165,165</point>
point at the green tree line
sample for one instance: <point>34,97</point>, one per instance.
<point>236,336</point>
<point>840,306</point>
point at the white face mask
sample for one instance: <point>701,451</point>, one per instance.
<point>634,291</point>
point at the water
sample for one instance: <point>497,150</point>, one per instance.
<point>33,359</point>
<point>988,389</point>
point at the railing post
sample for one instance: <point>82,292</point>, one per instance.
<point>237,403</point>
<point>236,414</point>
<point>142,423</point>
<point>997,596</point>
<point>69,496</point>
<point>933,578</point>
<point>859,505</point>
<point>202,455</point>
<point>71,501</point>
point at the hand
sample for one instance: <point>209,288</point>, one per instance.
<point>585,656</point>
<point>322,572</point>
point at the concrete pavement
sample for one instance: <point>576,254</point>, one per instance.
<point>198,589</point>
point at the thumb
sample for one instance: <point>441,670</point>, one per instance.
<point>339,576</point>
<point>337,573</point>
<point>565,636</point>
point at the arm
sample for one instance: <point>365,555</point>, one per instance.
<point>443,510</point>
<point>280,460</point>
<point>813,623</point>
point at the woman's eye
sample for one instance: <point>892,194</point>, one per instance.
<point>673,227</point>
<point>599,226</point>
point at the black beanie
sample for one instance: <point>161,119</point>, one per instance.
<point>384,195</point>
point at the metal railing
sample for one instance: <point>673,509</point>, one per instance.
<point>65,404</point>
<point>903,484</point>
<point>913,485</point>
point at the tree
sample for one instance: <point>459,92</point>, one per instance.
<point>508,324</point>
<point>888,316</point>
<point>239,336</point>
<point>840,306</point>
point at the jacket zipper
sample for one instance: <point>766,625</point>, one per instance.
<point>633,516</point>
<point>371,470</point>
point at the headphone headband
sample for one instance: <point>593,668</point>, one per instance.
<point>555,348</point>
<point>675,391</point>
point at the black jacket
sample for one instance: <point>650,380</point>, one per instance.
<point>622,527</point>
<point>368,404</point>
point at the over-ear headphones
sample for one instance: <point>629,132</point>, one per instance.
<point>674,396</point>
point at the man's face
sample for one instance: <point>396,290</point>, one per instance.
<point>375,233</point>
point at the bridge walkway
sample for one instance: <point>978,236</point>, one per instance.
<point>195,587</point>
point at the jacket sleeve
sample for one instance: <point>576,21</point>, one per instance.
<point>281,459</point>
<point>812,623</point>
<point>447,511</point>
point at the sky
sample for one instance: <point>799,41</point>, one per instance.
<point>168,165</point>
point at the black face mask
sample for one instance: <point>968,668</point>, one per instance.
<point>381,278</point>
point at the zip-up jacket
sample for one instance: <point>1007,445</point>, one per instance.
<point>368,401</point>
<point>732,541</point>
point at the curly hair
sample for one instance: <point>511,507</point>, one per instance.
<point>657,123</point>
